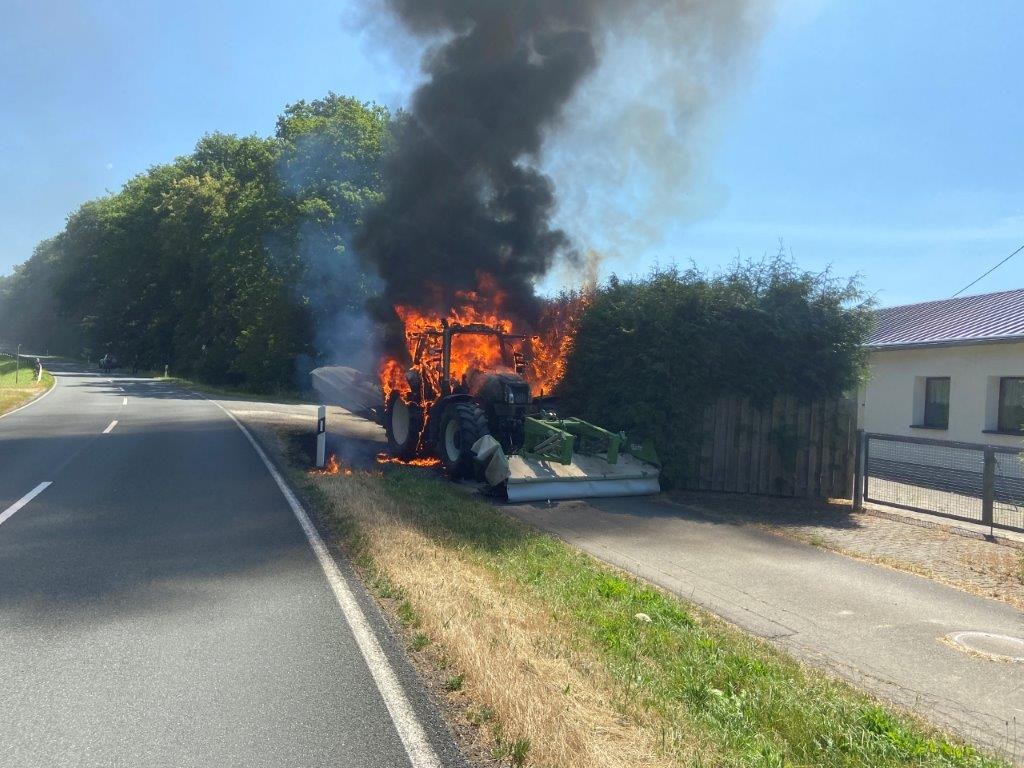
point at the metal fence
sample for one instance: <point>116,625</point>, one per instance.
<point>964,481</point>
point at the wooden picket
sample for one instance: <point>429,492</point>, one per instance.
<point>786,448</point>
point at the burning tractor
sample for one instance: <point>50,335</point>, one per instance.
<point>466,400</point>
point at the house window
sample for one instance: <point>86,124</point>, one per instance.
<point>1011,404</point>
<point>936,402</point>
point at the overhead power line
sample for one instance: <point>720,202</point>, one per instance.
<point>997,266</point>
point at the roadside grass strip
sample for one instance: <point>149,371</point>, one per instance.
<point>579,665</point>
<point>17,387</point>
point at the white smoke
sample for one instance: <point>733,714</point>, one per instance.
<point>629,157</point>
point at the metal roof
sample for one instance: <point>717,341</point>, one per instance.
<point>989,317</point>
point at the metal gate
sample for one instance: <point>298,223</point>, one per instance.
<point>963,481</point>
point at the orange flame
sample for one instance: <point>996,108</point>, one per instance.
<point>383,458</point>
<point>551,346</point>
<point>333,467</point>
<point>545,350</point>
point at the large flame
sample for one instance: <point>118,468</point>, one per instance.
<point>544,348</point>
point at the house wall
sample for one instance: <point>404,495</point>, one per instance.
<point>893,398</point>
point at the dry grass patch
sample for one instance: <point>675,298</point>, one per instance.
<point>19,387</point>
<point>531,685</point>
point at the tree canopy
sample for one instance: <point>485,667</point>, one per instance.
<point>227,264</point>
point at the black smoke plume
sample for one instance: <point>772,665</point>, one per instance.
<point>460,196</point>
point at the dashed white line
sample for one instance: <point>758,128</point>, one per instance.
<point>110,427</point>
<point>7,513</point>
<point>410,731</point>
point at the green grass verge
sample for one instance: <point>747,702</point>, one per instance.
<point>18,384</point>
<point>697,677</point>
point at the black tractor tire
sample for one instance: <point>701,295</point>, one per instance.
<point>462,424</point>
<point>403,423</point>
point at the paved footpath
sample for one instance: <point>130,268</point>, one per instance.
<point>161,603</point>
<point>880,628</point>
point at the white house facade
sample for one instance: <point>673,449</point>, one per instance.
<point>951,370</point>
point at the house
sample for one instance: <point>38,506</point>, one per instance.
<point>950,369</point>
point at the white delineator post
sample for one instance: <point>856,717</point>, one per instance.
<point>321,436</point>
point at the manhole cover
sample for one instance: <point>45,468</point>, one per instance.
<point>990,644</point>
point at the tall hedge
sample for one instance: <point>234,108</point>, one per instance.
<point>650,353</point>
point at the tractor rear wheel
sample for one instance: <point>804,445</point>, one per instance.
<point>402,422</point>
<point>461,426</point>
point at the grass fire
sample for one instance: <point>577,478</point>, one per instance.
<point>333,467</point>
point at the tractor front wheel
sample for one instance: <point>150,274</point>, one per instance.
<point>461,426</point>
<point>402,423</point>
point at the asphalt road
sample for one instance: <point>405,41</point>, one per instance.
<point>160,604</point>
<point>882,629</point>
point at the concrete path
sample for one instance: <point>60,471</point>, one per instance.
<point>160,604</point>
<point>882,629</point>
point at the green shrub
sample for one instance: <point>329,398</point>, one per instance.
<point>651,352</point>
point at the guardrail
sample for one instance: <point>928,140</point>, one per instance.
<point>972,482</point>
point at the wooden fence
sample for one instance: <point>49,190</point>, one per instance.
<point>787,449</point>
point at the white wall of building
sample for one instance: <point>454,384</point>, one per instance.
<point>893,398</point>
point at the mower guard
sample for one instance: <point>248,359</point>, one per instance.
<point>532,479</point>
<point>573,459</point>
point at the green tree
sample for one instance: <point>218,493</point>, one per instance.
<point>229,264</point>
<point>332,161</point>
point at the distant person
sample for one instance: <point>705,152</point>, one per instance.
<point>39,369</point>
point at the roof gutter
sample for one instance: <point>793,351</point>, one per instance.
<point>945,343</point>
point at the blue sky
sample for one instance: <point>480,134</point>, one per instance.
<point>879,138</point>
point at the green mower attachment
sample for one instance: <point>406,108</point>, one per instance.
<point>573,459</point>
<point>558,439</point>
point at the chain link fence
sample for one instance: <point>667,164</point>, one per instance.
<point>964,481</point>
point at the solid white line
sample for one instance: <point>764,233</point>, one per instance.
<point>410,731</point>
<point>31,402</point>
<point>23,501</point>
<point>110,427</point>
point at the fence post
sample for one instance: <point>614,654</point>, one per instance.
<point>859,470</point>
<point>988,487</point>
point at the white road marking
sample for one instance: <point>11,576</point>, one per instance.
<point>410,731</point>
<point>110,427</point>
<point>23,501</point>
